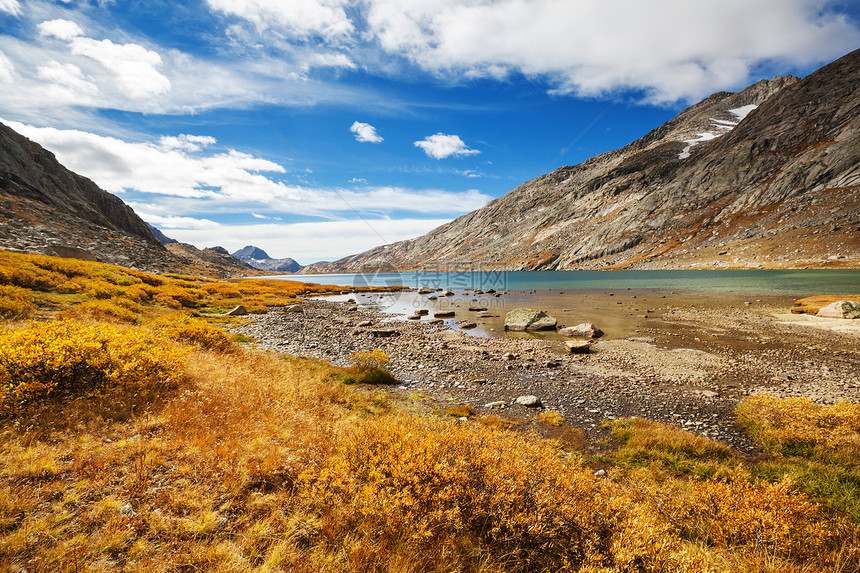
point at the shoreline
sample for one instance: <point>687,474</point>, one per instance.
<point>677,358</point>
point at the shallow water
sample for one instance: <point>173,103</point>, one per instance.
<point>799,283</point>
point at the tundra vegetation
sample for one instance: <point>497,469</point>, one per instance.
<point>136,434</point>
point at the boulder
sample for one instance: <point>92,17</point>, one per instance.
<point>577,347</point>
<point>466,325</point>
<point>294,309</point>
<point>425,290</point>
<point>444,314</point>
<point>446,293</point>
<point>422,312</point>
<point>529,401</point>
<point>522,319</point>
<point>840,309</point>
<point>432,297</point>
<point>486,314</point>
<point>584,330</point>
<point>238,311</point>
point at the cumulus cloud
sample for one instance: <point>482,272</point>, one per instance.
<point>186,142</point>
<point>440,146</point>
<point>364,132</point>
<point>668,49</point>
<point>60,29</point>
<point>185,178</point>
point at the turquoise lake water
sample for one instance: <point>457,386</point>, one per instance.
<point>805,282</point>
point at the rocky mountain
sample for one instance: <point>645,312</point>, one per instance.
<point>765,177</point>
<point>259,259</point>
<point>165,240</point>
<point>47,209</point>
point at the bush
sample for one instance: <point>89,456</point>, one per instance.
<point>195,331</point>
<point>431,488</point>
<point>66,357</point>
<point>368,368</point>
<point>799,426</point>
<point>16,303</point>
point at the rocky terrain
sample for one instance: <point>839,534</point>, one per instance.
<point>259,259</point>
<point>678,360</point>
<point>766,177</point>
<point>47,209</point>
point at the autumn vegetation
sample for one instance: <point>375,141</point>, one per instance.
<point>138,434</point>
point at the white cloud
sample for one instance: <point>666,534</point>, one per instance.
<point>440,146</point>
<point>186,142</point>
<point>298,18</point>
<point>258,216</point>
<point>10,7</point>
<point>67,83</point>
<point>668,48</point>
<point>7,69</point>
<point>358,180</point>
<point>60,29</point>
<point>186,181</point>
<point>307,242</point>
<point>133,65</point>
<point>174,222</point>
<point>364,132</point>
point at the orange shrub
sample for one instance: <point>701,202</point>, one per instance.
<point>423,484</point>
<point>194,331</point>
<point>16,303</point>
<point>69,357</point>
<point>799,426</point>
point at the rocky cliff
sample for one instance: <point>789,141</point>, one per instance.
<point>765,177</point>
<point>47,209</point>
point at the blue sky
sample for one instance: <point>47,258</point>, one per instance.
<point>320,128</point>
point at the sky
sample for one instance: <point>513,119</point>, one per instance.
<point>315,129</point>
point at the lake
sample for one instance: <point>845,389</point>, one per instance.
<point>797,282</point>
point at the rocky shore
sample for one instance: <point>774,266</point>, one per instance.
<point>682,360</point>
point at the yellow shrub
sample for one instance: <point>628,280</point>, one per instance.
<point>16,303</point>
<point>115,309</point>
<point>367,359</point>
<point>194,331</point>
<point>68,357</point>
<point>427,485</point>
<point>368,368</point>
<point>798,426</point>
<point>761,516</point>
<point>176,297</point>
<point>552,418</point>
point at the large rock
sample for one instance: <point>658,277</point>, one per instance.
<point>529,401</point>
<point>522,319</point>
<point>840,309</point>
<point>238,311</point>
<point>578,347</point>
<point>584,330</point>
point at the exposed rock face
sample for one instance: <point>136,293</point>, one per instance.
<point>259,259</point>
<point>215,260</point>
<point>840,309</point>
<point>523,319</point>
<point>769,176</point>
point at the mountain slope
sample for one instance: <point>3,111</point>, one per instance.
<point>47,209</point>
<point>260,259</point>
<point>769,176</point>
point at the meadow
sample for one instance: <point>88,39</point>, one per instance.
<point>138,434</point>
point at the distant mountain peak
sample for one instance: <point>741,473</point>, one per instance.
<point>259,259</point>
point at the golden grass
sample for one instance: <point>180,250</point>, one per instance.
<point>257,462</point>
<point>812,304</point>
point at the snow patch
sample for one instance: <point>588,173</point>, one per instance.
<point>721,124</point>
<point>743,111</point>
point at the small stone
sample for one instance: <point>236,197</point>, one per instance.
<point>486,314</point>
<point>444,314</point>
<point>383,333</point>
<point>422,312</point>
<point>584,330</point>
<point>127,509</point>
<point>365,323</point>
<point>294,309</point>
<point>466,325</point>
<point>600,473</point>
<point>413,317</point>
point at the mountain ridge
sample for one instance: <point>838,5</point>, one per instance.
<point>712,187</point>
<point>260,259</point>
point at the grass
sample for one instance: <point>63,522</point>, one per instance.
<point>252,461</point>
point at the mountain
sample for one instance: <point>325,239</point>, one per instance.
<point>259,259</point>
<point>765,177</point>
<point>47,209</point>
<point>164,239</point>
